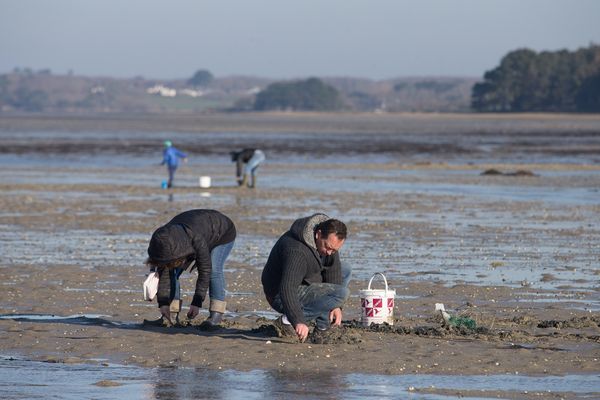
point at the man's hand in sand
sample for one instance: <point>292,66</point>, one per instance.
<point>335,316</point>
<point>302,332</point>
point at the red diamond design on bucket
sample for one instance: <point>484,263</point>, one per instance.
<point>391,303</point>
<point>369,312</point>
<point>378,303</point>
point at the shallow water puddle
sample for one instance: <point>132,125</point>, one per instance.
<point>22,379</point>
<point>101,320</point>
<point>77,319</point>
<point>75,246</point>
<point>106,381</point>
<point>51,317</point>
<point>354,180</point>
<point>590,303</point>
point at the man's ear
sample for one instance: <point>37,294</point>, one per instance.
<point>318,234</point>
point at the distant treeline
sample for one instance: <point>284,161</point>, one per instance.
<point>525,81</point>
<point>559,81</point>
<point>42,91</point>
<point>309,95</point>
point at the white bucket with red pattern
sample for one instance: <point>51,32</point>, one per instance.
<point>377,304</point>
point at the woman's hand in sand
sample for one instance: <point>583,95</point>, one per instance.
<point>194,310</point>
<point>166,313</point>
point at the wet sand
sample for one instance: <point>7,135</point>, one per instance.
<point>427,243</point>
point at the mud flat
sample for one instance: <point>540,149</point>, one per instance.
<point>518,254</point>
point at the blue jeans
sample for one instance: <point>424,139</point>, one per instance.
<point>318,299</point>
<point>253,162</point>
<point>218,255</point>
<point>216,288</point>
<point>172,169</point>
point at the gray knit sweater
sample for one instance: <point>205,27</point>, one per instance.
<point>294,261</point>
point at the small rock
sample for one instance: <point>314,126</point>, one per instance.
<point>107,383</point>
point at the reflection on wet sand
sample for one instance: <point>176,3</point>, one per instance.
<point>109,381</point>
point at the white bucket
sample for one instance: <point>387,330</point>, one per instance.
<point>377,304</point>
<point>204,181</point>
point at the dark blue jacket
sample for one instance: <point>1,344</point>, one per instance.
<point>171,157</point>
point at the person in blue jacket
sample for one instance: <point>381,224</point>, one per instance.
<point>171,156</point>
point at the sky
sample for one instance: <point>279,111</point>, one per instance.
<point>286,39</point>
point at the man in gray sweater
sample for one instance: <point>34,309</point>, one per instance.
<point>304,278</point>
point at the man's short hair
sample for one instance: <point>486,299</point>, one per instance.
<point>332,226</point>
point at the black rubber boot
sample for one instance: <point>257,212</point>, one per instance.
<point>215,318</point>
<point>161,322</point>
<point>213,321</point>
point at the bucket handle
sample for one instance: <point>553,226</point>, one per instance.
<point>384,280</point>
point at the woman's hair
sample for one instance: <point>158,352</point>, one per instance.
<point>169,264</point>
<point>332,226</point>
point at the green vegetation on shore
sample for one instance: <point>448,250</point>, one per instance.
<point>309,95</point>
<point>526,81</point>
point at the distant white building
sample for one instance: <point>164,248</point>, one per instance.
<point>193,93</point>
<point>253,90</point>
<point>97,90</point>
<point>162,91</point>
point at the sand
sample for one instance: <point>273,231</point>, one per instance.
<point>514,335</point>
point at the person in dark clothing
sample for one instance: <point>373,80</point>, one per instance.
<point>246,163</point>
<point>304,278</point>
<point>205,237</point>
